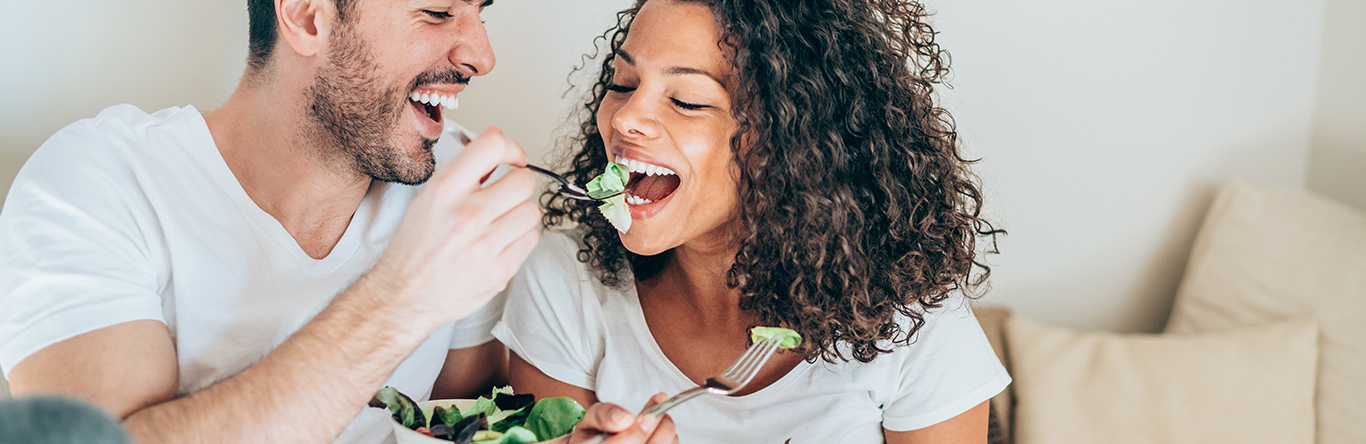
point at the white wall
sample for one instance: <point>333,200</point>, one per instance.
<point>1337,159</point>
<point>537,43</point>
<point>64,61</point>
<point>1105,127</point>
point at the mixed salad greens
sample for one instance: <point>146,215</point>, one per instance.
<point>786,338</point>
<point>613,180</point>
<point>501,418</point>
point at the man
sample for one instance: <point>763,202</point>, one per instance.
<point>255,274</point>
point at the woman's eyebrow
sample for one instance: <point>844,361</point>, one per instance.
<point>671,71</point>
<point>681,70</point>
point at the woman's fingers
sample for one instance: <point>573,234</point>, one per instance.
<point>625,427</point>
<point>660,429</point>
<point>664,432</point>
<point>604,417</point>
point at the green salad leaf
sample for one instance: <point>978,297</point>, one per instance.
<point>613,180</point>
<point>447,416</point>
<point>616,212</point>
<point>486,404</point>
<point>786,338</point>
<point>404,410</point>
<point>551,418</point>
<point>514,435</point>
<point>502,417</point>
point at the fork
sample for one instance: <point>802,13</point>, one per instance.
<point>563,185</point>
<point>731,381</point>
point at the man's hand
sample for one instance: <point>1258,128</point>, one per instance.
<point>625,427</point>
<point>460,243</point>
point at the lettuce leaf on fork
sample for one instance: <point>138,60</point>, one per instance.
<point>613,180</point>
<point>786,337</point>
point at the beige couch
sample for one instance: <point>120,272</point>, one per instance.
<point>1266,341</point>
<point>9,166</point>
<point>1263,256</point>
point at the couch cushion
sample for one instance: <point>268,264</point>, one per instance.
<point>1251,385</point>
<point>993,320</point>
<point>1269,254</point>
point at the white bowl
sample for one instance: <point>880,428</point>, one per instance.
<point>405,435</point>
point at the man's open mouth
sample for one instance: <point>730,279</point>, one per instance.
<point>649,183</point>
<point>429,102</point>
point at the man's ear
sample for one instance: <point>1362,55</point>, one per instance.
<point>303,24</point>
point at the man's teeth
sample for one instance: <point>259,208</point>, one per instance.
<point>634,200</point>
<point>450,102</point>
<point>636,166</point>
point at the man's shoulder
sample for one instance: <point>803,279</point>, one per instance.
<point>102,165</point>
<point>120,132</point>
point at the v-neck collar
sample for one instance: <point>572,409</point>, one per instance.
<point>640,329</point>
<point>216,167</point>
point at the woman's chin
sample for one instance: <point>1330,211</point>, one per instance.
<point>641,241</point>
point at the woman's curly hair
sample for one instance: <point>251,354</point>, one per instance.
<point>856,205</point>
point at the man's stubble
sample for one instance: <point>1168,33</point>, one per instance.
<point>355,117</point>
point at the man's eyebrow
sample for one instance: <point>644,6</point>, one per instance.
<point>673,70</point>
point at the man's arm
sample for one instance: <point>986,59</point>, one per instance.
<point>456,234</point>
<point>306,390</point>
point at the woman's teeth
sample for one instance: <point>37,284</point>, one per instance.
<point>436,99</point>
<point>636,166</point>
<point>633,200</point>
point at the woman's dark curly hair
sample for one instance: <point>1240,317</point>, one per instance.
<point>856,204</point>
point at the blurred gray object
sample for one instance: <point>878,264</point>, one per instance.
<point>52,420</point>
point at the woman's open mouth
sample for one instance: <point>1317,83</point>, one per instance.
<point>649,183</point>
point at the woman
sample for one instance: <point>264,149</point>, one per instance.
<point>795,173</point>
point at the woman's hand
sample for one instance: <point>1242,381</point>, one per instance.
<point>611,418</point>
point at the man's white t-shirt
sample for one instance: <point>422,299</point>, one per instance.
<point>561,319</point>
<point>130,216</point>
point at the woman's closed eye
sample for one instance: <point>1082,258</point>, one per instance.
<point>620,88</point>
<point>688,106</point>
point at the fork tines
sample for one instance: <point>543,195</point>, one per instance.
<point>748,365</point>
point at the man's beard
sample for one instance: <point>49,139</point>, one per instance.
<point>356,117</point>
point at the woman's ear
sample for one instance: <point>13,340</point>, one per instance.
<point>302,24</point>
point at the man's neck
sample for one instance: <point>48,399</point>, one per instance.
<point>261,134</point>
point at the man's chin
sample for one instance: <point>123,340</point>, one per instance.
<point>414,169</point>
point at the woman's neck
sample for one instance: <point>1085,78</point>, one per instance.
<point>695,276</point>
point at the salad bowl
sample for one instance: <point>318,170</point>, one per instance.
<point>405,435</point>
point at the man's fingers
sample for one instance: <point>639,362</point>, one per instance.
<point>480,157</point>
<point>509,228</point>
<point>520,249</point>
<point>502,196</point>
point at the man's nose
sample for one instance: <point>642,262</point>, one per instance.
<point>471,52</point>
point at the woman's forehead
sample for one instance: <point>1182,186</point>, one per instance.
<point>668,34</point>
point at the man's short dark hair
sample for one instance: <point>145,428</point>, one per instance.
<point>262,31</point>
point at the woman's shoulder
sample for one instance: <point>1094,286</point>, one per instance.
<point>557,253</point>
<point>948,329</point>
<point>554,270</point>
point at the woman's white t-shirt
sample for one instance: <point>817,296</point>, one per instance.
<point>565,322</point>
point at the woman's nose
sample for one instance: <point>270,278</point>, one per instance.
<point>636,118</point>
